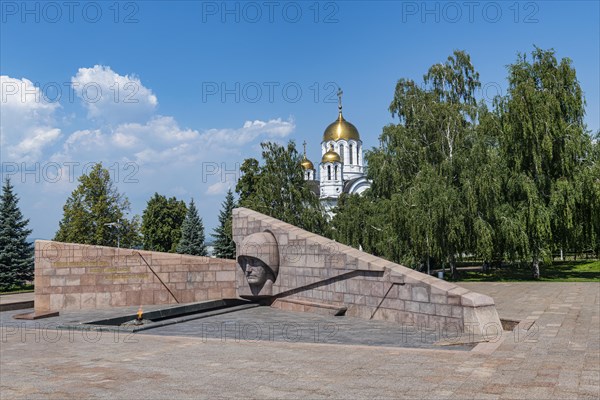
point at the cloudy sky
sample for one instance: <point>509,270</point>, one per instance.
<point>172,96</point>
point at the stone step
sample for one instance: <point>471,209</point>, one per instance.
<point>309,306</point>
<point>167,316</point>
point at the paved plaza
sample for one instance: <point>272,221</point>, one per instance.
<point>553,353</point>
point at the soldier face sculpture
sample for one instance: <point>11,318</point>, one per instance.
<point>257,272</point>
<point>259,260</point>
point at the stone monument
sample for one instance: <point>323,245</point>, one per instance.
<point>259,260</point>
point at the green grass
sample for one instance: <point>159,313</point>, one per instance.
<point>559,271</point>
<point>18,289</point>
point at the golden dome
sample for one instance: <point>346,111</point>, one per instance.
<point>341,129</point>
<point>331,156</point>
<point>306,164</point>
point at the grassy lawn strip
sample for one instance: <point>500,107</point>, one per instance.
<point>15,290</point>
<point>559,271</point>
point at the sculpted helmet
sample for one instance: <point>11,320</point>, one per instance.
<point>262,246</point>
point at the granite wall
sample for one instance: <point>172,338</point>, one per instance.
<point>319,273</point>
<point>75,276</point>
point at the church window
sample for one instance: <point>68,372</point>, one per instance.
<point>350,152</point>
<point>342,152</point>
<point>329,172</point>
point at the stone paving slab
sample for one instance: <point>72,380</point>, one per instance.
<point>271,324</point>
<point>557,358</point>
<point>16,298</point>
<point>259,324</point>
<point>17,301</point>
<point>69,317</point>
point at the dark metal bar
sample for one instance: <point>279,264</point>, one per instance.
<point>156,275</point>
<point>384,296</point>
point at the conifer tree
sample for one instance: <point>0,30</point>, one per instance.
<point>192,233</point>
<point>224,244</point>
<point>16,254</point>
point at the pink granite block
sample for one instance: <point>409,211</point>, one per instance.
<point>225,276</point>
<point>72,301</point>
<point>118,299</point>
<point>404,292</point>
<point>77,271</point>
<point>133,298</point>
<point>443,310</point>
<point>473,299</point>
<point>373,301</point>
<point>411,306</point>
<point>419,293</point>
<point>437,322</point>
<point>161,297</point>
<point>228,293</point>
<point>185,296</point>
<point>365,287</point>
<point>457,312</point>
<point>405,318</point>
<point>421,320</point>
<point>103,300</point>
<point>177,277</point>
<point>393,304</point>
<point>72,281</point>
<point>42,302</point>
<point>57,281</point>
<point>88,300</point>
<point>427,308</point>
<point>439,299</point>
<point>71,289</point>
<point>210,276</point>
<point>200,295</point>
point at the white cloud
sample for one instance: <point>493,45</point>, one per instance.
<point>35,142</point>
<point>27,125</point>
<point>218,188</point>
<point>111,97</point>
<point>159,128</point>
<point>161,140</point>
<point>85,140</point>
<point>144,151</point>
<point>250,131</point>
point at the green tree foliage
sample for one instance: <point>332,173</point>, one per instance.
<point>192,233</point>
<point>248,181</point>
<point>361,222</point>
<point>454,178</point>
<point>16,254</point>
<point>587,214</point>
<point>93,205</point>
<point>223,235</point>
<point>544,143</point>
<point>161,223</point>
<point>277,188</point>
<point>417,171</point>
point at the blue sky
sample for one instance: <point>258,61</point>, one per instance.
<point>173,96</point>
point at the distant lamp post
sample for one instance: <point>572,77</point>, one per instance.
<point>118,226</point>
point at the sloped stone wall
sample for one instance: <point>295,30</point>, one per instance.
<point>75,276</point>
<point>321,271</point>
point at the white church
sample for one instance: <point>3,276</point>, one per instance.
<point>341,169</point>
